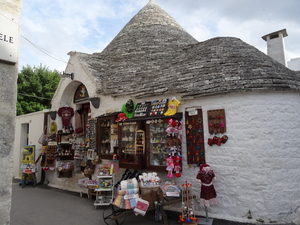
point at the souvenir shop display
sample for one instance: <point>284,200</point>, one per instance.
<point>149,179</point>
<point>187,211</point>
<point>172,107</point>
<point>127,194</point>
<point>206,176</point>
<point>104,190</point>
<point>208,195</point>
<point>91,134</point>
<point>43,139</point>
<point>194,137</point>
<point>89,169</point>
<point>66,113</point>
<point>142,109</point>
<point>170,189</point>
<point>139,142</point>
<point>158,107</point>
<point>216,127</point>
<point>107,136</point>
<point>128,108</point>
<point>164,142</point>
<point>64,167</point>
<point>130,148</point>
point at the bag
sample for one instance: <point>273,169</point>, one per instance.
<point>141,206</point>
<point>78,130</point>
<point>43,138</point>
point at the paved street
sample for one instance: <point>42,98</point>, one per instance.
<point>42,205</point>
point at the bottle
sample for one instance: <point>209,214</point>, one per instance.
<point>71,129</point>
<point>67,130</point>
<point>111,171</point>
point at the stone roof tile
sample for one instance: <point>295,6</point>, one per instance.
<point>153,55</point>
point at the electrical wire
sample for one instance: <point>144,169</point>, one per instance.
<point>36,46</point>
<point>45,51</point>
<point>34,96</point>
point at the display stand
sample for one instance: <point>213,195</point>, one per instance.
<point>28,164</point>
<point>105,191</point>
<point>206,220</point>
<point>140,142</point>
<point>25,176</point>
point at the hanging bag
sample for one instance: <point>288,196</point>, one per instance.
<point>43,138</point>
<point>78,122</point>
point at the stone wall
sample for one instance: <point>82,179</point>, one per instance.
<point>8,76</point>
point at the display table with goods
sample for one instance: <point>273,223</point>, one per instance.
<point>137,197</point>
<point>104,190</point>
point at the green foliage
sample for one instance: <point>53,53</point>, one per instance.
<point>36,87</point>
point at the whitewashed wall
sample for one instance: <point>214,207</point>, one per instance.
<point>35,122</point>
<point>257,169</point>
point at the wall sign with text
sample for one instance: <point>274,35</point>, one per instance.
<point>9,36</point>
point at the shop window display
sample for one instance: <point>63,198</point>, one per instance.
<point>107,136</point>
<point>131,145</point>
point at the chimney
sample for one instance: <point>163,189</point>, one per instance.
<point>275,45</point>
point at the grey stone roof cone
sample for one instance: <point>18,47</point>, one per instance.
<point>151,29</point>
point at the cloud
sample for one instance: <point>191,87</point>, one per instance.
<point>60,26</point>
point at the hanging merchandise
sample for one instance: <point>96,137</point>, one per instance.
<point>177,165</point>
<point>170,167</point>
<point>206,176</point>
<point>172,107</point>
<point>216,127</point>
<point>121,117</point>
<point>53,128</point>
<point>142,109</point>
<point>78,121</point>
<point>195,137</point>
<point>128,108</point>
<point>187,212</point>
<point>66,114</point>
<point>158,107</point>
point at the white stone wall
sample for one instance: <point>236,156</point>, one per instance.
<point>35,121</point>
<point>258,167</point>
<point>294,64</point>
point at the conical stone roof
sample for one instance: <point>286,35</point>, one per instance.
<point>150,30</point>
<point>153,55</point>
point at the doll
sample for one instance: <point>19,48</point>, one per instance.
<point>170,167</point>
<point>177,167</point>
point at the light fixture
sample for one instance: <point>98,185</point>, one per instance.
<point>64,75</point>
<point>95,102</point>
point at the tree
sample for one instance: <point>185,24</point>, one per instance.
<point>36,87</point>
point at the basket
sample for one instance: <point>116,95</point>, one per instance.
<point>88,172</point>
<point>148,189</point>
<point>65,167</point>
<point>83,182</point>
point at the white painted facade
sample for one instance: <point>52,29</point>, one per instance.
<point>294,64</point>
<point>257,169</point>
<point>28,129</point>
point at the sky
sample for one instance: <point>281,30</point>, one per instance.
<point>52,28</point>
